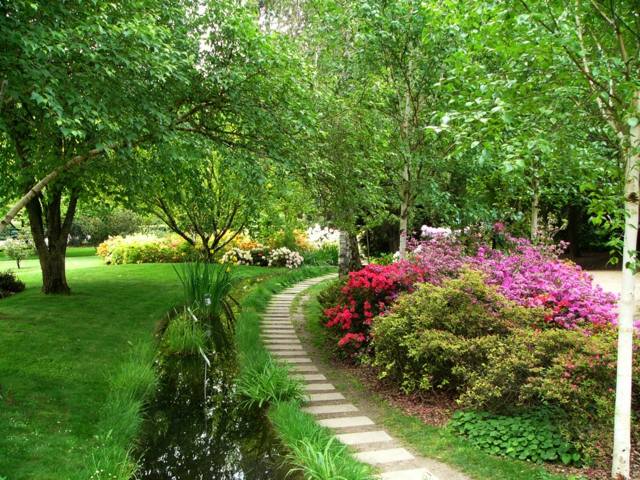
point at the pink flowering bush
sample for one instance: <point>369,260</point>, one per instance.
<point>530,275</point>
<point>534,276</point>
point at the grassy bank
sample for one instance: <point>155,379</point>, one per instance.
<point>428,440</point>
<point>312,448</point>
<point>73,369</point>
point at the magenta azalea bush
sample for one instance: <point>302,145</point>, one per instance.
<point>534,276</point>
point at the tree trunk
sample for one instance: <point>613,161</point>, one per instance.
<point>535,213</point>
<point>404,212</point>
<point>349,258</point>
<point>50,235</point>
<point>622,427</point>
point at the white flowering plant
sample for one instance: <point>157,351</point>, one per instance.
<point>237,256</point>
<point>283,257</point>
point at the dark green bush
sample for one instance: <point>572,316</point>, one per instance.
<point>10,284</point>
<point>332,294</point>
<point>532,436</point>
<point>260,256</point>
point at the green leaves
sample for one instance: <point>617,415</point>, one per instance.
<point>531,436</point>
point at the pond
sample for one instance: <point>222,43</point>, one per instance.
<point>198,429</point>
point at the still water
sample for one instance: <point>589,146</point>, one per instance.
<point>197,428</point>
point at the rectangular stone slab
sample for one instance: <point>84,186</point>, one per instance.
<point>345,422</point>
<point>324,409</point>
<point>377,436</point>
<point>318,387</point>
<point>413,474</point>
<point>324,397</point>
<point>389,455</point>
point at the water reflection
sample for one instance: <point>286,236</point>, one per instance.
<point>197,429</point>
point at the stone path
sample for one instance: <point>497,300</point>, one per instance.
<point>370,443</point>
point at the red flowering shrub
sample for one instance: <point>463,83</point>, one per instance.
<point>367,294</point>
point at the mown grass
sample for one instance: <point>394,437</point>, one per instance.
<point>428,440</point>
<point>312,449</point>
<point>62,358</point>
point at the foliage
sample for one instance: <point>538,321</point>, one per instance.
<point>145,249</point>
<point>313,449</point>
<point>267,384</point>
<point>492,354</point>
<point>533,436</point>
<point>533,276</point>
<point>207,295</point>
<point>94,228</point>
<point>121,416</point>
<point>325,254</point>
<point>432,337</point>
<point>366,294</point>
<point>18,249</point>
<point>260,256</point>
<point>283,257</point>
<point>184,335</point>
<point>10,284</point>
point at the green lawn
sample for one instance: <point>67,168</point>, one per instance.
<point>57,353</point>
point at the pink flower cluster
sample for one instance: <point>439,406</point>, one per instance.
<point>534,276</point>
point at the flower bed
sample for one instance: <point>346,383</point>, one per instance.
<point>145,249</point>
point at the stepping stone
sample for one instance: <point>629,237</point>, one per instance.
<point>346,422</point>
<point>295,359</point>
<point>303,368</point>
<point>413,474</point>
<point>275,342</point>
<point>272,337</point>
<point>323,409</point>
<point>288,353</point>
<point>279,328</point>
<point>310,377</point>
<point>389,455</point>
<point>324,397</point>
<point>318,387</point>
<point>361,438</point>
<point>286,348</point>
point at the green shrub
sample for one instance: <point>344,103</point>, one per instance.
<point>493,355</point>
<point>10,284</point>
<point>184,335</point>
<point>18,249</point>
<point>207,292</point>
<point>433,336</point>
<point>532,436</point>
<point>327,254</point>
<point>94,229</point>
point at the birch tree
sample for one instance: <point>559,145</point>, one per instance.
<point>601,42</point>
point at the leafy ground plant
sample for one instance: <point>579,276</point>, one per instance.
<point>530,436</point>
<point>184,335</point>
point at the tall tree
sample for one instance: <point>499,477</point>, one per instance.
<point>600,41</point>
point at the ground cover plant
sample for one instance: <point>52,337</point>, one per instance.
<point>10,284</point>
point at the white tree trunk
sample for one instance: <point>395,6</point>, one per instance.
<point>404,212</point>
<point>535,213</point>
<point>622,427</point>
